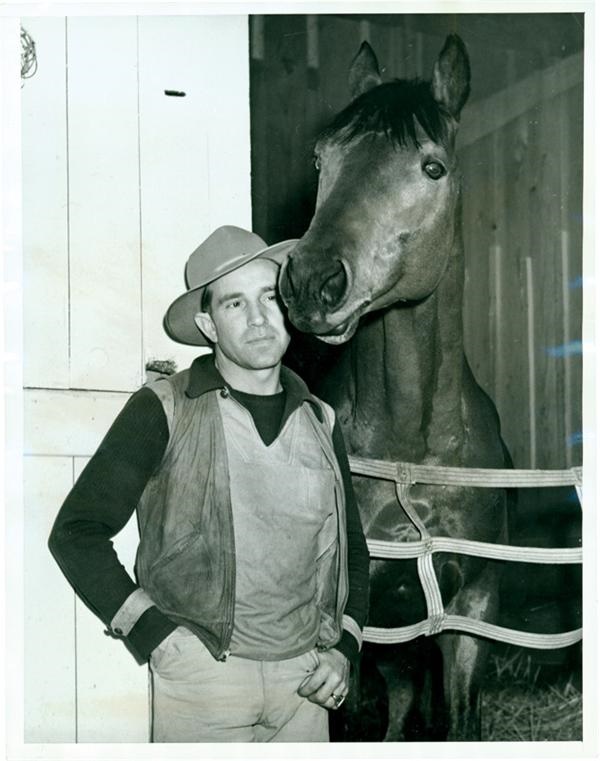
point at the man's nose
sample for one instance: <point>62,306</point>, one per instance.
<point>256,314</point>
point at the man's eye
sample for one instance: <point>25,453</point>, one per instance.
<point>234,304</point>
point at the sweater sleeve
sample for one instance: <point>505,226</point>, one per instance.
<point>355,612</point>
<point>99,505</point>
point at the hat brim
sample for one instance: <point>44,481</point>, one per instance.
<point>179,321</point>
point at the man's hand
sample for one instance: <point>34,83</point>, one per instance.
<point>328,685</point>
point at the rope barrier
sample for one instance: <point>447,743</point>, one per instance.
<point>472,626</point>
<point>411,550</point>
<point>404,474</point>
<point>411,473</point>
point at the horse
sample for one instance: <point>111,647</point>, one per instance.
<point>379,273</point>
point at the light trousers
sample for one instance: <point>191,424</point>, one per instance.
<point>198,699</point>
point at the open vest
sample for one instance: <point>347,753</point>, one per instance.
<point>186,558</point>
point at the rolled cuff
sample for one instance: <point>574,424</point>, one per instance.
<point>128,614</point>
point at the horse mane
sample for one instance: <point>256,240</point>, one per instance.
<point>392,109</point>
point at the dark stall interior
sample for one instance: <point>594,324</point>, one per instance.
<point>521,152</point>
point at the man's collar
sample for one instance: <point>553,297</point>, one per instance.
<point>205,377</point>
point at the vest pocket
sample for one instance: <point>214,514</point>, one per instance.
<point>188,580</point>
<point>177,548</point>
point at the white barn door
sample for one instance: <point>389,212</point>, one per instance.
<point>120,183</point>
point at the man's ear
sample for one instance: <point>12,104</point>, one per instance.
<point>204,321</point>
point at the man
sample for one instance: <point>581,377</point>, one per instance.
<point>252,566</point>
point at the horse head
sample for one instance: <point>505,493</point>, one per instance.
<point>386,215</point>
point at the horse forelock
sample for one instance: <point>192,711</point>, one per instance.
<point>393,109</point>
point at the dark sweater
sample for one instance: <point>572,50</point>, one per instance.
<point>108,490</point>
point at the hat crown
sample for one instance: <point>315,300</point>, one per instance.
<point>216,255</point>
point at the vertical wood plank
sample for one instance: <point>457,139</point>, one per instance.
<point>288,138</point>
<point>259,136</point>
<point>50,667</point>
<point>194,153</point>
<point>339,41</point>
<point>112,689</point>
<point>497,315</point>
<point>225,44</point>
<point>104,203</point>
<point>45,229</point>
<point>478,222</point>
<point>531,356</point>
<point>386,41</point>
<point>257,37</point>
<point>513,400</point>
<point>573,202</point>
<point>565,335</point>
<point>551,359</point>
<point>564,278</point>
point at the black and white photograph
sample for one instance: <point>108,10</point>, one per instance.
<point>300,420</point>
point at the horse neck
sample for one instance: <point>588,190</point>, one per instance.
<point>414,354</point>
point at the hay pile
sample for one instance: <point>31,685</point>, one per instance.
<point>519,703</point>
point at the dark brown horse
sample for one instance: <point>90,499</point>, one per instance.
<point>380,270</point>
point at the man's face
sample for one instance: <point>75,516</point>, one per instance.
<point>245,322</point>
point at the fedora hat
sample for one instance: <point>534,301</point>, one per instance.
<point>226,249</point>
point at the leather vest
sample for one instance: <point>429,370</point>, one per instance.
<point>186,555</point>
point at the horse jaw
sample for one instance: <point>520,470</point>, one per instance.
<point>348,329</point>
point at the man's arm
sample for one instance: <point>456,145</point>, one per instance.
<point>98,507</point>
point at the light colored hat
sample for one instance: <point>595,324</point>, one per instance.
<point>226,249</point>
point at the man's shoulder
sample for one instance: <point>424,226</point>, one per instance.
<point>327,415</point>
<point>174,383</point>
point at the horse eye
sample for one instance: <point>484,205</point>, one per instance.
<point>434,169</point>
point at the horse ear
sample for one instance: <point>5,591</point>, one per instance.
<point>451,79</point>
<point>364,71</point>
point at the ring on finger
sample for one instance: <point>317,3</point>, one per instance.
<point>337,700</point>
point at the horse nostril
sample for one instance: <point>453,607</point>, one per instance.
<point>334,287</point>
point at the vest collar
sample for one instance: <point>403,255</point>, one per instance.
<point>205,377</point>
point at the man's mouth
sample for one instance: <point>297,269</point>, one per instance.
<point>260,339</point>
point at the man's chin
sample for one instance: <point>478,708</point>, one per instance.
<point>265,360</point>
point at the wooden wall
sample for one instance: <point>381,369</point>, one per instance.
<point>521,149</point>
<point>120,184</point>
<point>523,235</point>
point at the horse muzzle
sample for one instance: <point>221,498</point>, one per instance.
<point>316,297</point>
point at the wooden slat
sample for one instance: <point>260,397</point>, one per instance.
<point>104,203</point>
<point>112,689</point>
<point>61,423</point>
<point>195,171</point>
<point>547,260</point>
<point>476,164</point>
<point>492,113</point>
<point>49,677</point>
<point>512,397</point>
<point>572,148</point>
<point>531,362</point>
<point>259,137</point>
<point>45,230</point>
<point>339,41</point>
<point>225,48</point>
